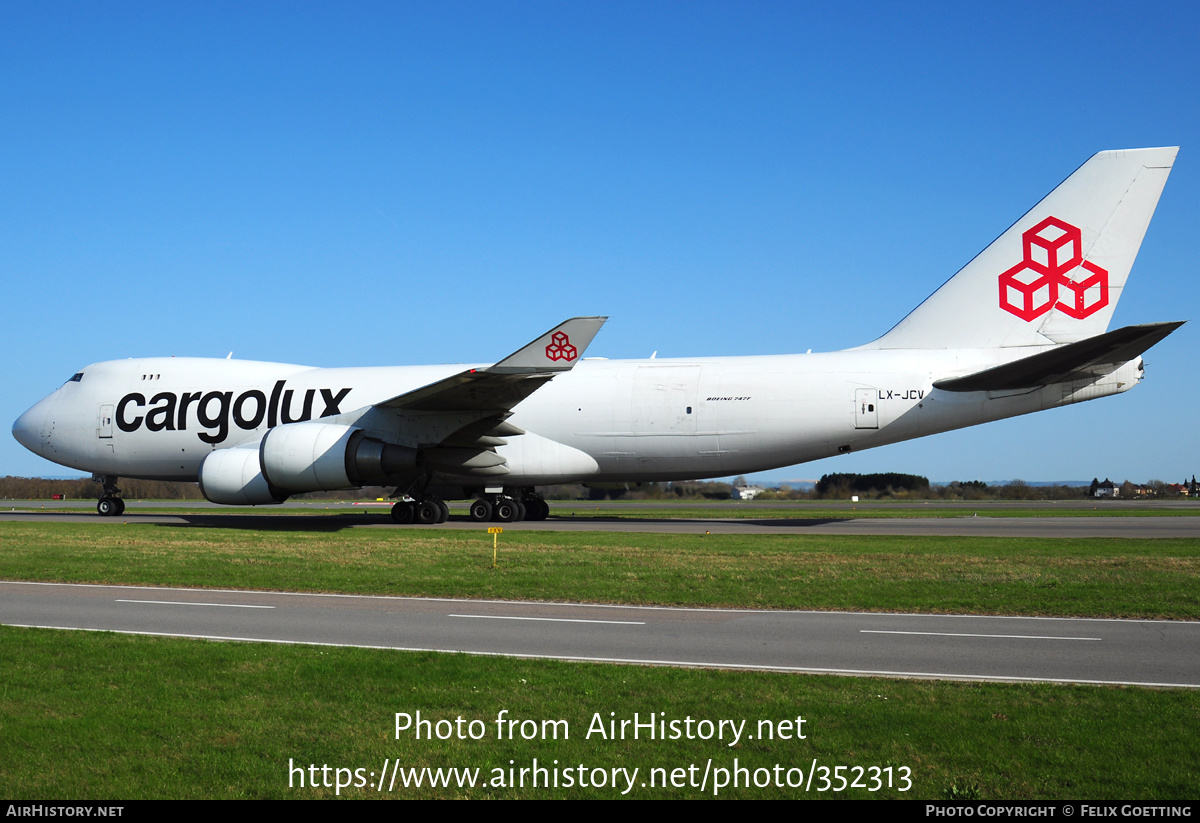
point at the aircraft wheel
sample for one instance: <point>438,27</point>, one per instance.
<point>522,511</point>
<point>445,510</point>
<point>481,510</point>
<point>427,513</point>
<point>107,506</point>
<point>402,513</point>
<point>505,510</point>
<point>120,506</point>
<point>537,509</point>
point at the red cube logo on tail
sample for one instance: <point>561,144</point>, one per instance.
<point>560,347</point>
<point>1053,263</point>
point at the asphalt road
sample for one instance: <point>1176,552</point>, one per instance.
<point>1134,652</point>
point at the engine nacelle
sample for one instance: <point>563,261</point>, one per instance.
<point>307,457</point>
<point>303,457</point>
<point>234,477</point>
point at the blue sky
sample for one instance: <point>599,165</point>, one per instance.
<point>395,183</point>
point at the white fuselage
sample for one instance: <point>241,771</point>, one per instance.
<point>604,421</point>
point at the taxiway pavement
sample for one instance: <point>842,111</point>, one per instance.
<point>1134,652</point>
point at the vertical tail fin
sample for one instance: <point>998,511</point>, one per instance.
<point>1055,275</point>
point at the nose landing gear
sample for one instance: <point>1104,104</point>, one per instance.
<point>110,503</point>
<point>110,506</point>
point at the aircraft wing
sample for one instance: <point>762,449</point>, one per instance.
<point>1092,357</point>
<point>499,387</point>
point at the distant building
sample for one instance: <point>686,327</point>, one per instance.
<point>747,492</point>
<point>1107,489</point>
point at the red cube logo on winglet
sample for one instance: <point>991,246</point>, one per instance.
<point>560,347</point>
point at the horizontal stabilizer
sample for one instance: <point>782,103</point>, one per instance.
<point>1092,357</point>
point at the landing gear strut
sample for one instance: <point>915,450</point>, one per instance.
<point>110,503</point>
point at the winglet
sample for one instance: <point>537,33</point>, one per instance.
<point>502,386</point>
<point>557,350</point>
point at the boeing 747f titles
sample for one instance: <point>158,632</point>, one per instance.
<point>1023,327</point>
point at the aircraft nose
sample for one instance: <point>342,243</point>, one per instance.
<point>30,426</point>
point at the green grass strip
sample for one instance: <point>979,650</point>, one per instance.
<point>100,716</point>
<point>965,575</point>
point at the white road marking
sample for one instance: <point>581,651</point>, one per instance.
<point>956,634</point>
<point>549,619</point>
<point>190,603</point>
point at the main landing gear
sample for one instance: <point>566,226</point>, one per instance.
<point>499,508</point>
<point>426,511</point>
<point>110,503</point>
<point>502,508</point>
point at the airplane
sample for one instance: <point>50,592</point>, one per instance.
<point>1021,328</point>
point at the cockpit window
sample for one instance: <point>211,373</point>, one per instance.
<point>76,377</point>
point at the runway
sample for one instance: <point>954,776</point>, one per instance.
<point>1126,652</point>
<point>965,526</point>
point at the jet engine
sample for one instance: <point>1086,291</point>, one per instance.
<point>302,457</point>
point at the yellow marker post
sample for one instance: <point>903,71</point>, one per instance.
<point>494,531</point>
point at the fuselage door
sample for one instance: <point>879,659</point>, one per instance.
<point>866,409</point>
<point>664,400</point>
<point>104,429</point>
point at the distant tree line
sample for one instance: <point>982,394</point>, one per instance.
<point>892,483</point>
<point>39,488</point>
<point>882,486</point>
<point>956,490</point>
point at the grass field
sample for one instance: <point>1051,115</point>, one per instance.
<point>982,575</point>
<point>92,715</point>
<point>102,716</point>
